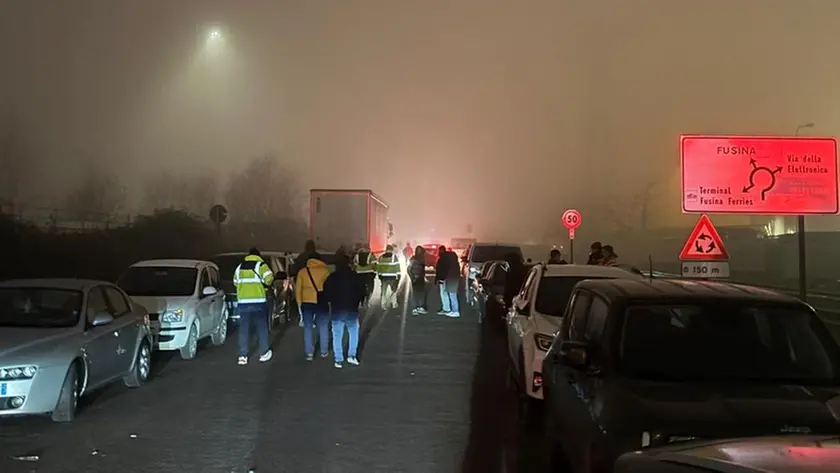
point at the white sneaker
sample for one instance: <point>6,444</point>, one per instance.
<point>415,312</point>
<point>310,357</point>
<point>243,360</point>
<point>453,314</point>
<point>266,356</point>
<point>422,311</point>
<point>338,364</point>
<point>353,361</point>
<point>442,312</point>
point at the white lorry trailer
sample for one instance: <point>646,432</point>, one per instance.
<point>347,217</point>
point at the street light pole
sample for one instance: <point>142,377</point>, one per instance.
<point>800,233</point>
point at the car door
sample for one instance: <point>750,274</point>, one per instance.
<point>126,324</point>
<point>567,393</point>
<point>100,345</point>
<point>204,306</point>
<point>518,317</point>
<point>218,300</point>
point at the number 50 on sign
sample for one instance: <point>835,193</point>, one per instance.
<point>571,220</point>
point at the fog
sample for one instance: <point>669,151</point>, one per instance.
<point>493,113</point>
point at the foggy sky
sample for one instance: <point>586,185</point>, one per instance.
<point>496,113</point>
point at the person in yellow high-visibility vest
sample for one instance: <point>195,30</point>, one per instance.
<point>364,263</point>
<point>388,270</point>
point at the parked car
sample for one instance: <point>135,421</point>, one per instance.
<point>62,339</point>
<point>488,287</point>
<point>777,454</point>
<point>184,297</point>
<point>640,364</point>
<point>535,316</point>
<point>480,253</point>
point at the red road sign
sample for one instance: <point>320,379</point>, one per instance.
<point>759,175</point>
<point>704,243</point>
<point>571,219</point>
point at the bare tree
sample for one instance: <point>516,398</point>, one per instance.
<point>99,195</point>
<point>191,193</point>
<point>265,190</point>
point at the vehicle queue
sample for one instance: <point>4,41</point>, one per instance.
<point>623,368</point>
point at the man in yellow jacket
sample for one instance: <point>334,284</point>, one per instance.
<point>253,278</point>
<point>309,287</point>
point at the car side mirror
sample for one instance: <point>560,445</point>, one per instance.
<point>524,310</point>
<point>102,318</point>
<point>574,354</point>
<point>281,275</point>
<point>209,291</point>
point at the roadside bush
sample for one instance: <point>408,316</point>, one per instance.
<point>28,252</point>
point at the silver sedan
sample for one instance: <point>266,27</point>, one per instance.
<point>63,338</point>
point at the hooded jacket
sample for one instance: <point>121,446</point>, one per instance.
<point>305,293</point>
<point>344,290</point>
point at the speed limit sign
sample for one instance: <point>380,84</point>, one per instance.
<point>571,219</point>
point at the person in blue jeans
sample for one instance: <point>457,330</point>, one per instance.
<point>344,291</point>
<point>309,287</point>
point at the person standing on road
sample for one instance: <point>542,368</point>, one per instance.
<point>309,285</point>
<point>609,257</point>
<point>447,276</point>
<point>408,252</point>
<point>309,251</point>
<point>555,257</point>
<point>253,278</point>
<point>388,270</point>
<point>417,275</point>
<point>365,264</point>
<point>595,253</point>
<point>344,291</point>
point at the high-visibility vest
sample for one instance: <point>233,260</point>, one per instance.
<point>366,264</point>
<point>251,279</point>
<point>388,265</point>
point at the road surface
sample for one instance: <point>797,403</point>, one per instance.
<point>429,397</point>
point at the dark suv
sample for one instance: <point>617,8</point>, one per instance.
<point>640,364</point>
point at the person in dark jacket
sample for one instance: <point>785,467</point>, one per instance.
<point>447,276</point>
<point>417,276</point>
<point>555,257</point>
<point>596,253</point>
<point>344,290</point>
<point>516,273</point>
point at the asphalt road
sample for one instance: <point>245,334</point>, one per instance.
<point>430,396</point>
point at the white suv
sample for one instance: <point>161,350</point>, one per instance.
<point>536,314</point>
<point>184,301</point>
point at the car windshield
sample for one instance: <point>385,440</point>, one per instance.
<point>728,341</point>
<point>483,254</point>
<point>554,292</point>
<point>39,307</point>
<point>140,281</point>
<point>227,265</point>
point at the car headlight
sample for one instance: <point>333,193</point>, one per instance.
<point>543,341</point>
<point>173,316</point>
<point>18,372</point>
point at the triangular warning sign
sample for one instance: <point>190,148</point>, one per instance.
<point>704,243</point>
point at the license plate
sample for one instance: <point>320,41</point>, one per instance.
<point>3,389</point>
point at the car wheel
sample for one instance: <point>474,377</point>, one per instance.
<point>142,367</point>
<point>189,350</point>
<point>68,398</point>
<point>220,335</point>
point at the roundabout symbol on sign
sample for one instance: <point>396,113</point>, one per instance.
<point>756,169</point>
